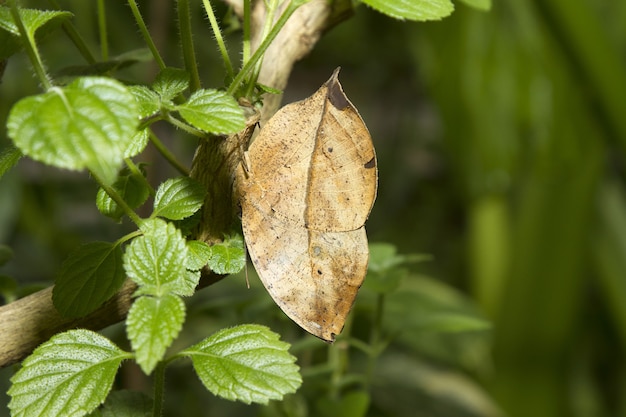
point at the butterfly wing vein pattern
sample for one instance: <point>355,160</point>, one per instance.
<point>310,186</point>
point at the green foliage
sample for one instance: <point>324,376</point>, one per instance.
<point>420,10</point>
<point>152,324</point>
<point>88,277</point>
<point>246,363</point>
<point>131,187</point>
<point>36,22</point>
<point>88,124</point>
<point>213,111</point>
<point>178,198</point>
<point>70,374</point>
<point>227,257</point>
<point>156,260</point>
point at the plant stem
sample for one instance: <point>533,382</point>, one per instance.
<point>102,26</point>
<point>75,37</point>
<point>258,54</point>
<point>159,389</point>
<point>119,200</point>
<point>246,47</point>
<point>169,156</point>
<point>186,40</point>
<point>146,34</point>
<point>218,37</point>
<point>135,170</point>
<point>30,47</point>
<point>272,7</point>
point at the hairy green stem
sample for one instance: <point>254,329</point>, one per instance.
<point>218,37</point>
<point>258,54</point>
<point>247,39</point>
<point>186,40</point>
<point>159,389</point>
<point>102,26</point>
<point>169,156</point>
<point>30,46</point>
<point>145,33</point>
<point>119,200</point>
<point>75,37</point>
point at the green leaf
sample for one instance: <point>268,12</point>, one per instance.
<point>152,324</point>
<point>228,257</point>
<point>138,143</point>
<point>39,22</point>
<point>383,256</point>
<point>69,375</point>
<point>178,198</point>
<point>156,261</point>
<point>149,102</point>
<point>213,111</point>
<point>87,278</point>
<point>131,186</point>
<point>170,82</point>
<point>125,403</point>
<point>88,124</point>
<point>418,10</point>
<point>478,4</point>
<point>8,159</point>
<point>246,363</point>
<point>198,254</point>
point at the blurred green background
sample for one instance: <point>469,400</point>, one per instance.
<point>500,139</point>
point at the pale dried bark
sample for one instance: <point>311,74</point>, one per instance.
<point>28,322</point>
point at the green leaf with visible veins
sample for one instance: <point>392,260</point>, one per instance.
<point>39,22</point>
<point>246,363</point>
<point>213,111</point>
<point>170,82</point>
<point>88,124</point>
<point>156,261</point>
<point>419,10</point>
<point>178,198</point>
<point>227,257</point>
<point>88,277</point>
<point>69,375</point>
<point>152,324</point>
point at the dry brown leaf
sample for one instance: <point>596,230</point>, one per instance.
<point>308,185</point>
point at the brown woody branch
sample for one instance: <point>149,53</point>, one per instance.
<point>28,322</point>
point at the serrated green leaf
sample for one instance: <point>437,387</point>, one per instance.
<point>198,254</point>
<point>152,324</point>
<point>138,143</point>
<point>88,277</point>
<point>88,124</point>
<point>36,22</point>
<point>418,10</point>
<point>228,257</point>
<point>149,102</point>
<point>125,403</point>
<point>8,159</point>
<point>156,261</point>
<point>132,187</point>
<point>178,198</point>
<point>478,4</point>
<point>246,363</point>
<point>69,375</point>
<point>213,111</point>
<point>170,82</point>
